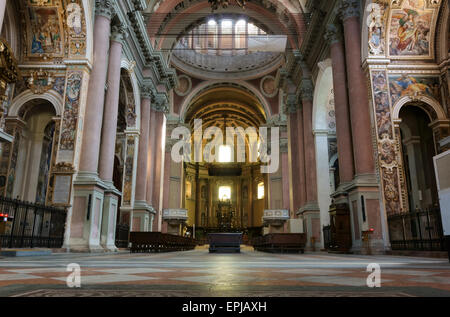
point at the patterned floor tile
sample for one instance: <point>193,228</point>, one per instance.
<point>335,280</point>
<point>14,277</point>
<point>109,278</point>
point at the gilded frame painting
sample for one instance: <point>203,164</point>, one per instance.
<point>45,31</point>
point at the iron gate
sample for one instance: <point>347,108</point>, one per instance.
<point>32,225</point>
<point>417,230</point>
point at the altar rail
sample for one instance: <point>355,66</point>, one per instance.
<point>159,242</point>
<point>31,225</point>
<point>280,242</point>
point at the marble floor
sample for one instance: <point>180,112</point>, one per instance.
<point>200,274</point>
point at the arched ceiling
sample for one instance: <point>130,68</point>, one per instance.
<point>172,18</point>
<point>239,108</point>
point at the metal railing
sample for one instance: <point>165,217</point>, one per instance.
<point>122,235</point>
<point>31,225</point>
<point>417,230</point>
<point>327,241</point>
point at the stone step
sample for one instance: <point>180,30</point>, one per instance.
<point>25,252</point>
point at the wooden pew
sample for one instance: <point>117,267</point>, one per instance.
<point>225,242</point>
<point>159,242</point>
<point>280,242</point>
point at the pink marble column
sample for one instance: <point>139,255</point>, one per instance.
<point>2,13</point>
<point>284,161</point>
<point>109,129</point>
<point>93,117</point>
<point>343,125</point>
<point>157,167</point>
<point>142,165</point>
<point>357,87</point>
<point>150,158</point>
<point>301,159</point>
<point>309,148</point>
<point>293,140</point>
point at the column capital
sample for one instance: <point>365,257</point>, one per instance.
<point>284,145</point>
<point>147,91</point>
<point>161,103</point>
<point>349,9</point>
<point>332,34</point>
<point>119,32</point>
<point>307,89</point>
<point>292,103</point>
<point>105,8</point>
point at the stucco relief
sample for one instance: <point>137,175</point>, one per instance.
<point>71,111</point>
<point>376,21</point>
<point>128,170</point>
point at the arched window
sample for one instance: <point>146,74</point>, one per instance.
<point>261,190</point>
<point>224,193</point>
<point>226,36</point>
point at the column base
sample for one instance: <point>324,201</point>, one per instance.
<point>310,213</point>
<point>85,222</point>
<point>142,217</point>
<point>109,219</point>
<point>365,215</point>
<point>75,247</point>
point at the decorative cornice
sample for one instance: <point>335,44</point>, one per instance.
<point>105,8</point>
<point>349,9</point>
<point>307,89</point>
<point>332,34</point>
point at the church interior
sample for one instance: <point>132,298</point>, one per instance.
<point>133,127</point>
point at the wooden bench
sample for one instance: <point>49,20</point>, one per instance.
<point>280,242</point>
<point>225,242</point>
<point>159,242</point>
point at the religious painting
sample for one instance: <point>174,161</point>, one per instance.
<point>45,31</point>
<point>411,85</point>
<point>410,30</point>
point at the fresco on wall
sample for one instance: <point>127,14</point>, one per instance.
<point>410,30</point>
<point>410,85</point>
<point>71,109</point>
<point>45,31</point>
<point>381,101</point>
<point>386,144</point>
